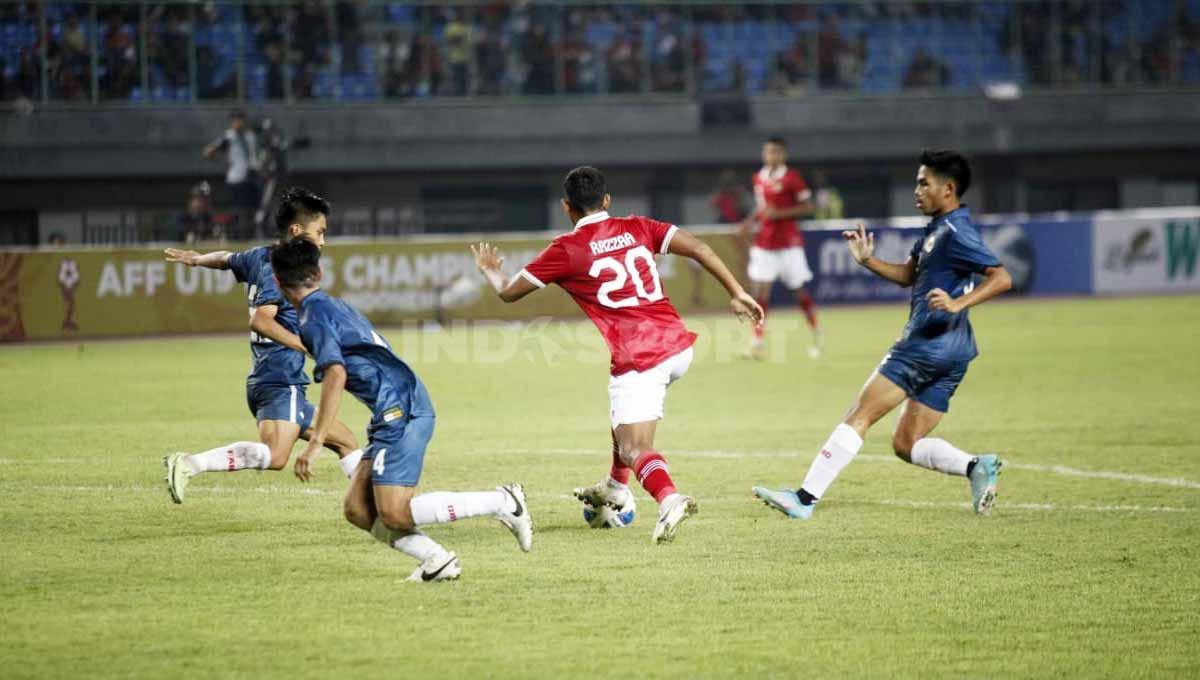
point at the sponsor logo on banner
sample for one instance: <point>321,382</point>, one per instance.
<point>1146,255</point>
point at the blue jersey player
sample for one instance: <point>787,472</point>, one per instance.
<point>351,356</point>
<point>275,388</point>
<point>925,366</point>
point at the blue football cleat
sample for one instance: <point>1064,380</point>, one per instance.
<point>983,483</point>
<point>785,501</point>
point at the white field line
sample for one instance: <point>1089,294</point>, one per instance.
<point>1008,465</point>
<point>1063,470</point>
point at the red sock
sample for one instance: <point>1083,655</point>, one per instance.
<point>652,473</point>
<point>761,329</point>
<point>808,306</point>
<point>620,471</point>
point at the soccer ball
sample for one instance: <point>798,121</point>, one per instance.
<point>605,517</point>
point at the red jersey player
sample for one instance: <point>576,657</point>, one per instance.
<point>607,265</point>
<point>778,249</point>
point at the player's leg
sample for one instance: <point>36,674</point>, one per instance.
<point>912,443</point>
<point>612,491</point>
<point>396,457</point>
<point>342,442</point>
<point>876,399</point>
<point>359,504</point>
<point>636,401</point>
<point>796,274</point>
<point>762,269</point>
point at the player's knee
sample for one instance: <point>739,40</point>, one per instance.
<point>279,459</point>
<point>397,519</point>
<point>358,514</point>
<point>902,444</point>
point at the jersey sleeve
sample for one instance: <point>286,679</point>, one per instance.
<point>242,265</point>
<point>320,339</point>
<point>551,265</point>
<point>268,290</point>
<point>968,252</point>
<point>659,233</point>
<point>800,187</point>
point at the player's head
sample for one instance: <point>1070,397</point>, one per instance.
<point>297,266</point>
<point>774,151</point>
<point>584,192</point>
<point>942,179</point>
<point>237,119</point>
<point>302,213</point>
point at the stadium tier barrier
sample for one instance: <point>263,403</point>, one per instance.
<point>92,293</point>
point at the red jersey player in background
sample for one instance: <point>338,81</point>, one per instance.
<point>607,265</point>
<point>777,252</point>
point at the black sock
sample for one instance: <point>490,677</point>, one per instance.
<point>806,498</point>
<point>971,466</point>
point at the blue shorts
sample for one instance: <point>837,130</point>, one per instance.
<point>923,379</point>
<point>397,450</point>
<point>280,402</point>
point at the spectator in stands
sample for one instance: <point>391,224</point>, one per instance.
<point>490,58</point>
<point>830,47</point>
<point>311,34</point>
<point>828,200</point>
<point>624,63</point>
<point>274,84</point>
<point>393,57</point>
<point>242,171</point>
<point>120,60</point>
<point>792,74</point>
<point>925,72</point>
<point>731,202</point>
<point>538,54</point>
<point>457,38</point>
<point>349,33</point>
<point>197,222</point>
<point>670,64</point>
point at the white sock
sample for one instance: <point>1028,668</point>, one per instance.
<point>447,506</point>
<point>235,456</point>
<point>412,543</point>
<point>940,455</point>
<point>837,453</point>
<point>667,499</point>
<point>350,462</point>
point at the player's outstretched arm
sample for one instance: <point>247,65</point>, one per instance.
<point>862,248</point>
<point>684,243</point>
<point>214,260</point>
<point>996,280</point>
<point>263,322</point>
<point>488,259</point>
<point>332,386</point>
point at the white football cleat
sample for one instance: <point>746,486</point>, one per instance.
<point>674,510</point>
<point>440,567</point>
<point>518,521</point>
<point>604,492</point>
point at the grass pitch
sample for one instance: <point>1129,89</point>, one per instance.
<point>1090,566</point>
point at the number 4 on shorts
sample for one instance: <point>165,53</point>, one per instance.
<point>378,465</point>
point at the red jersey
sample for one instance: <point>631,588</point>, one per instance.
<point>607,265</point>
<point>781,189</point>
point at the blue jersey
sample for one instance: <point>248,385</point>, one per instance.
<point>273,364</point>
<point>949,255</point>
<point>335,333</point>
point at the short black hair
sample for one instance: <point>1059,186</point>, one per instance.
<point>298,205</point>
<point>237,113</point>
<point>951,165</point>
<point>585,189</point>
<point>297,263</point>
<point>776,139</point>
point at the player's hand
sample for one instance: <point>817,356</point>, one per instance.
<point>941,301</point>
<point>747,308</point>
<point>770,213</point>
<point>860,243</point>
<point>487,257</point>
<point>188,257</point>
<point>303,466</point>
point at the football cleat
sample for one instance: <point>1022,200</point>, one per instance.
<point>178,475</point>
<point>604,493</point>
<point>518,521</point>
<point>671,515</point>
<point>440,567</point>
<point>983,483</point>
<point>757,350</point>
<point>785,501</point>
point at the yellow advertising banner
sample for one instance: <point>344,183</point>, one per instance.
<point>59,294</point>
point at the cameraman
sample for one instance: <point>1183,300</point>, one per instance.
<point>240,145</point>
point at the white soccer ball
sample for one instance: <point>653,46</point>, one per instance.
<point>605,517</point>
